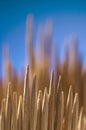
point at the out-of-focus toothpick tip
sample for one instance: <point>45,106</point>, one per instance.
<point>27,68</point>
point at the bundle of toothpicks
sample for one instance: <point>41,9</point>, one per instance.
<point>39,100</point>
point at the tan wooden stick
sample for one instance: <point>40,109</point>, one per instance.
<point>19,114</point>
<point>33,117</point>
<point>57,101</point>
<point>81,119</point>
<point>75,113</point>
<point>60,111</point>
<point>2,116</point>
<point>68,116</point>
<point>26,102</point>
<point>30,41</point>
<point>14,112</point>
<point>39,110</point>
<point>8,107</point>
<point>51,103</point>
<point>44,125</point>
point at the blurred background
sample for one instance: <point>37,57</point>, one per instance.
<point>69,19</point>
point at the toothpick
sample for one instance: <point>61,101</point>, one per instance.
<point>51,83</point>
<point>9,107</point>
<point>31,55</point>
<point>81,120</point>
<point>33,105</point>
<point>39,110</point>
<point>69,104</point>
<point>60,111</point>
<point>59,86</point>
<point>75,112</point>
<point>51,103</point>
<point>26,101</point>
<point>19,114</point>
<point>14,112</point>
<point>2,116</point>
<point>44,125</point>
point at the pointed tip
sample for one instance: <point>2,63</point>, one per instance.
<point>26,73</point>
<point>62,99</point>
<point>45,91</point>
<point>76,97</point>
<point>59,78</point>
<point>40,94</point>
<point>30,17</point>
<point>9,90</point>
<point>59,85</point>
<point>62,96</point>
<point>39,99</point>
<point>27,67</point>
<point>70,96</point>
<point>52,74</point>
<point>26,79</point>
<point>70,91</point>
<point>62,93</point>
<point>75,103</point>
<point>44,97</point>
<point>70,88</point>
<point>19,106</point>
<point>20,101</point>
<point>9,85</point>
<point>51,82</point>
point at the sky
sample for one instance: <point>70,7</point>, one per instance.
<point>69,18</point>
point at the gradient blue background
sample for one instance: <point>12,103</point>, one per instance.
<point>69,18</point>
